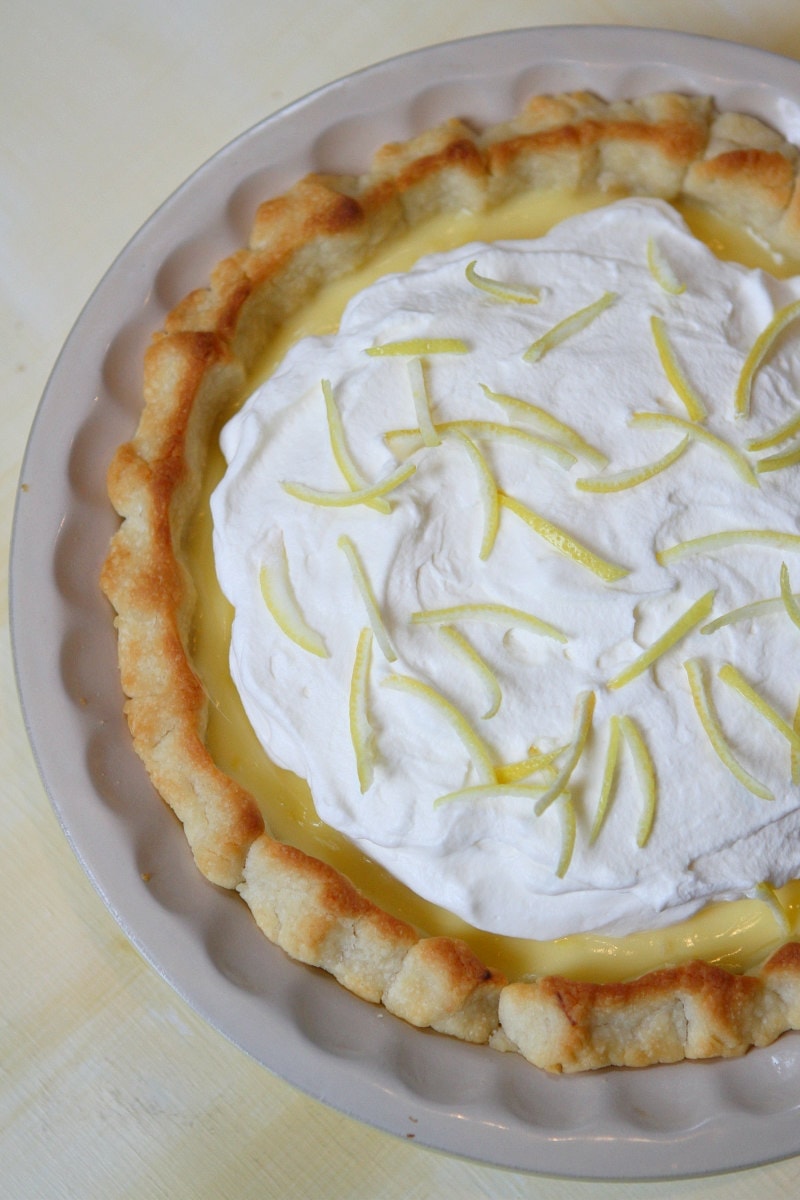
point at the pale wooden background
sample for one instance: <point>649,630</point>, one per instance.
<point>110,1086</point>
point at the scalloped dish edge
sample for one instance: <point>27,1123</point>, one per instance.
<point>667,145</point>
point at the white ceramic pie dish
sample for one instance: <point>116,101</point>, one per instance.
<point>686,1119</point>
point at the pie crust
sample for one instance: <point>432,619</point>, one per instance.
<point>670,146</point>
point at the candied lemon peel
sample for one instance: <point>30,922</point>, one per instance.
<point>726,539</point>
<point>419,347</point>
<point>678,630</point>
<point>479,752</point>
<point>788,598</point>
<point>563,542</point>
<point>361,732</point>
<point>281,602</point>
<point>573,324</point>
<point>661,270</point>
<point>496,614</point>
<point>689,397</point>
<point>623,480</point>
<point>350,550</point>
<point>352,476</point>
<point>468,654</point>
<point>609,778</point>
<point>559,430</point>
<point>733,677</point>
<point>710,722</point>
<point>759,352</point>
<point>698,433</point>
<point>514,293</point>
<point>646,775</point>
<point>328,499</point>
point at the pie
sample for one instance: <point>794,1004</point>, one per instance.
<point>200,368</point>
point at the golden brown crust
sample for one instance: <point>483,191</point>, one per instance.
<point>692,1011</point>
<point>318,917</point>
<point>668,145</point>
<point>748,174</point>
<point>639,147</point>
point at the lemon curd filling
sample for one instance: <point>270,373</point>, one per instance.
<point>735,934</point>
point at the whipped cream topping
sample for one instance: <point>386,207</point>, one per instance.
<point>491,859</point>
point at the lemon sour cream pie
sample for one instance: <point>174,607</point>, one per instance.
<point>486,649</point>
<point>513,557</point>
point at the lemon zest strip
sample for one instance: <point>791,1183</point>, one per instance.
<point>476,748</point>
<point>734,678</point>
<point>737,460</point>
<point>710,722</point>
<point>609,776</point>
<point>467,652</point>
<point>364,586</point>
<point>725,539</point>
<point>422,406</point>
<point>404,442</point>
<point>491,791</point>
<point>493,431</point>
<point>361,732</point>
<point>419,347</point>
<point>524,768</point>
<point>569,829</point>
<point>747,612</point>
<point>678,630</point>
<point>779,462</point>
<point>693,404</point>
<point>282,604</point>
<point>310,495</point>
<point>574,323</point>
<point>514,293</point>
<point>488,492</point>
<point>646,775</point>
<point>563,542</point>
<point>781,434</point>
<point>496,614</point>
<point>661,270</point>
<point>550,424</point>
<point>765,892</point>
<point>350,472</point>
<point>790,601</point>
<point>523,791</point>
<point>759,351</point>
<point>584,712</point>
<point>637,475</point>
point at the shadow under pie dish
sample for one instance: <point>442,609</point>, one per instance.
<point>199,369</point>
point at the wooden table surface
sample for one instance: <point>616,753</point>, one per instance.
<point>110,1085</point>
